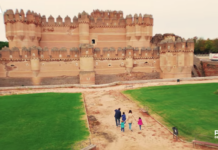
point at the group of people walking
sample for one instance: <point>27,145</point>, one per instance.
<point>126,119</point>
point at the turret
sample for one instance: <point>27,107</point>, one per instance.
<point>146,19</point>
<point>87,74</point>
<point>83,27</point>
<point>111,14</point>
<point>22,15</point>
<point>137,26</point>
<point>43,20</point>
<point>59,20</point>
<point>30,17</point>
<point>9,20</point>
<point>176,60</point>
<point>151,20</point>
<point>22,31</point>
<point>140,19</point>
<point>106,14</point>
<point>38,28</point>
<point>128,19</point>
<point>20,27</point>
<point>129,59</point>
<point>32,28</point>
<point>180,44</point>
<point>51,20</point>
<point>99,21</point>
<point>190,45</point>
<point>170,45</point>
<point>17,15</point>
<point>75,20</point>
<point>136,18</point>
<point>120,14</point>
<point>67,20</point>
<point>37,18</point>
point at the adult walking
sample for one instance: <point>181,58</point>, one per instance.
<point>117,116</point>
<point>130,118</point>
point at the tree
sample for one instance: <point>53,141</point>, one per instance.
<point>208,45</point>
<point>3,44</point>
<point>201,45</point>
<point>215,46</point>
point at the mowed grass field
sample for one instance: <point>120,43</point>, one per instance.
<point>45,121</point>
<point>192,108</point>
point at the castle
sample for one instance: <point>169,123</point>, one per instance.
<point>89,49</point>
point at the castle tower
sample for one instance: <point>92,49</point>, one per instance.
<point>35,64</point>
<point>21,30</point>
<point>87,73</point>
<point>83,20</point>
<point>129,59</point>
<point>176,57</point>
<point>9,28</point>
<point>139,30</point>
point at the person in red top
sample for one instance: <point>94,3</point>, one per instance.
<point>140,123</point>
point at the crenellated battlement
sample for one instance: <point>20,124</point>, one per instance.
<point>75,53</point>
<point>29,18</point>
<point>180,45</point>
<point>97,18</point>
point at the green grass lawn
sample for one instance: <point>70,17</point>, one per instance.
<point>192,108</point>
<point>45,121</point>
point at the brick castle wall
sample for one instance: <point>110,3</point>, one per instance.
<point>210,68</point>
<point>89,47</point>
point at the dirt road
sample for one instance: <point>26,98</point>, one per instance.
<point>107,136</point>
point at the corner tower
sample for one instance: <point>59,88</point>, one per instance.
<point>176,57</point>
<point>21,30</point>
<point>139,30</point>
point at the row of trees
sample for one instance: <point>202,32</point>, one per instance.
<point>205,46</point>
<point>3,44</point>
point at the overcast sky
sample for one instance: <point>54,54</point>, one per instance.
<point>186,18</point>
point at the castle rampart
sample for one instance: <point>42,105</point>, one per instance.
<point>89,49</point>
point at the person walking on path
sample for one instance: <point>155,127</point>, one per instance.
<point>122,125</point>
<point>130,119</point>
<point>124,117</point>
<point>140,123</point>
<point>117,116</point>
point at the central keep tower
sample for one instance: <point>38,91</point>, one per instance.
<point>87,73</point>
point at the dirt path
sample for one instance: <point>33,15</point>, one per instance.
<point>101,103</point>
<point>107,136</point>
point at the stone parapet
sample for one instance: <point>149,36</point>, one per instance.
<point>74,53</point>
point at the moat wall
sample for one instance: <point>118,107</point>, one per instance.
<point>210,68</point>
<point>99,79</point>
<point>7,82</point>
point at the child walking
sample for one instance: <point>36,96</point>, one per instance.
<point>140,123</point>
<point>124,117</point>
<point>122,125</point>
